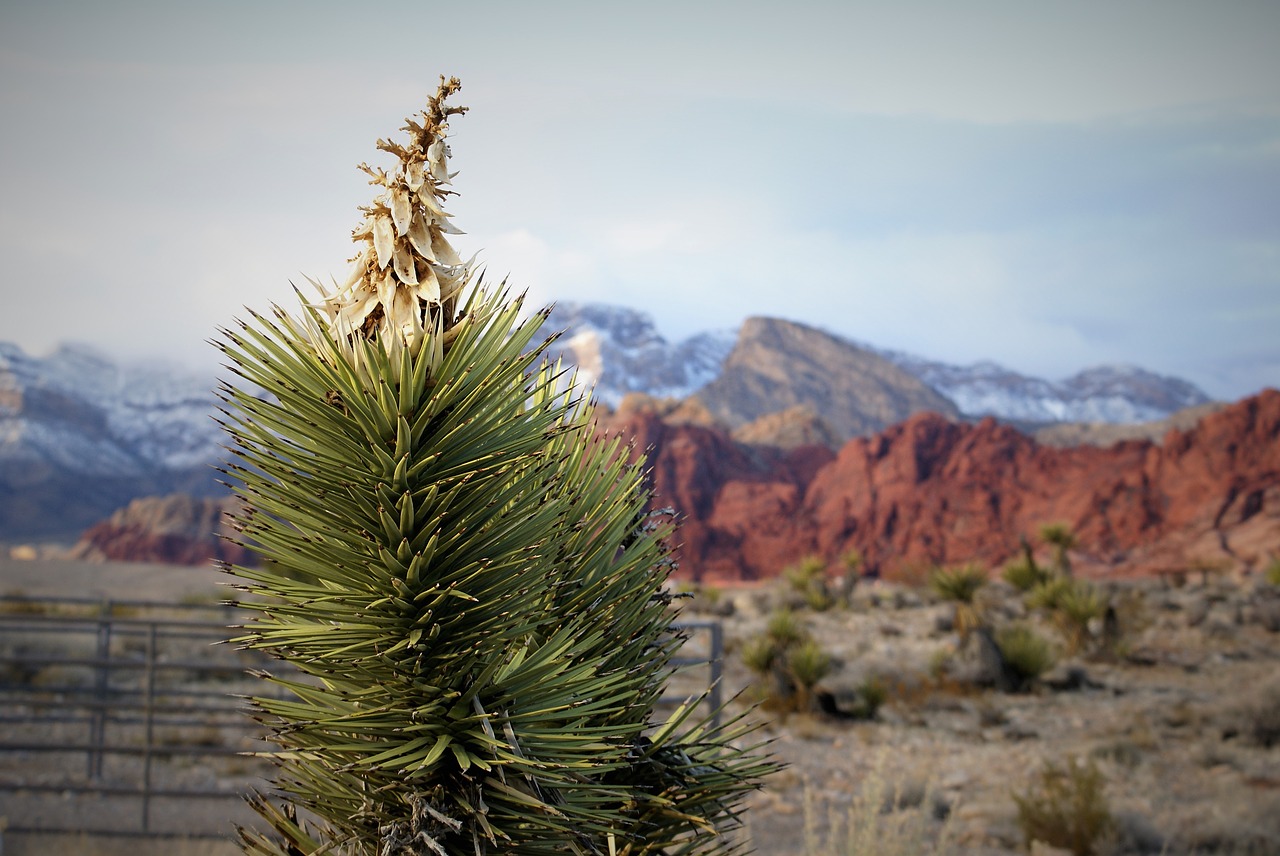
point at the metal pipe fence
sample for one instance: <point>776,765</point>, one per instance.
<point>128,717</point>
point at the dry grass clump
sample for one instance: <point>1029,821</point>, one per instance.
<point>1066,807</point>
<point>881,820</point>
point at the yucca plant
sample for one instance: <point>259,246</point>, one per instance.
<point>1063,541</point>
<point>961,586</point>
<point>463,579</point>
<point>808,579</point>
<point>1078,605</point>
<point>1024,574</point>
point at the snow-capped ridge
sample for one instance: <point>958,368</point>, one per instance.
<point>619,350</point>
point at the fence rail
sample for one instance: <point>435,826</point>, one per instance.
<point>117,717</point>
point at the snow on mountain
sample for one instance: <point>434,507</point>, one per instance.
<point>1111,394</point>
<point>77,411</point>
<point>80,410</point>
<point>618,350</point>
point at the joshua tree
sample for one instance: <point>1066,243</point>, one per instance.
<point>1060,536</point>
<point>464,580</point>
<point>852,561</point>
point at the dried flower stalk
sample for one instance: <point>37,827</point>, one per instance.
<point>405,280</point>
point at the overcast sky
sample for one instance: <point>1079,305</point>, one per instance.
<point>1048,185</point>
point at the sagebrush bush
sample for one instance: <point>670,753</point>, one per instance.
<point>881,819</point>
<point>1066,806</point>
<point>1027,655</point>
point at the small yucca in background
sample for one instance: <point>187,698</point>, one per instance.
<point>462,577</point>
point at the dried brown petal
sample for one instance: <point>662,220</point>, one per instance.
<point>420,237</point>
<point>401,210</point>
<point>384,239</point>
<point>415,173</point>
<point>436,155</point>
<point>428,286</point>
<point>428,199</point>
<point>401,310</point>
<point>444,253</point>
<point>446,227</point>
<point>403,264</point>
<point>386,290</point>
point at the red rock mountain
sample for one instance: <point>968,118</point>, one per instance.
<point>928,490</point>
<point>176,529</point>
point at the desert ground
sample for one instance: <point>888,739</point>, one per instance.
<point>1180,721</point>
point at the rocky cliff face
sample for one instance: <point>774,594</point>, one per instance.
<point>926,491</point>
<point>930,490</point>
<point>175,530</point>
<point>80,435</point>
<point>777,365</point>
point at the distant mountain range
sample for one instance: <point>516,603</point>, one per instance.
<point>81,435</point>
<point>622,352</point>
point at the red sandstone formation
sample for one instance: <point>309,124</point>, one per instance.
<point>926,491</point>
<point>174,530</point>
<point>934,491</point>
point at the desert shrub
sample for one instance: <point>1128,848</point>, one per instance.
<point>1066,807</point>
<point>880,820</point>
<point>786,629</point>
<point>1078,603</point>
<point>808,578</point>
<point>871,695</point>
<point>1061,538</point>
<point>1126,616</point>
<point>1048,594</point>
<point>852,562</point>
<point>1272,573</point>
<point>958,584</point>
<point>961,586</point>
<point>1024,574</point>
<point>1256,718</point>
<point>1027,655</point>
<point>759,654</point>
<point>807,664</point>
<point>790,661</point>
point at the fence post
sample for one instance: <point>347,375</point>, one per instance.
<point>98,719</point>
<point>717,669</point>
<point>149,714</point>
